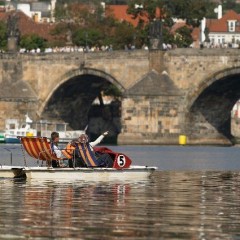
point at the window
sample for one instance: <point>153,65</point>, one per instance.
<point>231,25</point>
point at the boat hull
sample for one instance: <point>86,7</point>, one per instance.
<point>136,173</point>
<point>11,171</point>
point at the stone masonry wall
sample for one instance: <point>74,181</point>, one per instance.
<point>150,120</point>
<point>29,80</point>
<point>16,110</point>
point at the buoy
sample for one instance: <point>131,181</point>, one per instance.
<point>29,134</point>
<point>182,139</point>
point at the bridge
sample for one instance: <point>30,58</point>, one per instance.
<point>165,94</point>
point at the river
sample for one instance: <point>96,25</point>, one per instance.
<point>194,195</point>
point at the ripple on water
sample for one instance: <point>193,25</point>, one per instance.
<point>170,205</point>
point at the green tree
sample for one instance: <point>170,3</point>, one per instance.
<point>230,5</point>
<point>182,37</point>
<point>192,11</point>
<point>80,19</point>
<point>113,91</point>
<point>124,34</point>
<point>89,26</point>
<point>3,35</point>
<point>89,37</point>
<point>32,41</point>
<point>74,12</point>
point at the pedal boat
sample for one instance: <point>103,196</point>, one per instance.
<point>39,148</point>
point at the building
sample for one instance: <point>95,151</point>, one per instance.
<point>223,31</point>
<point>38,11</point>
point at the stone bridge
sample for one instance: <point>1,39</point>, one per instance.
<point>165,94</point>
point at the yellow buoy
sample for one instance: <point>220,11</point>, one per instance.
<point>29,134</point>
<point>182,139</point>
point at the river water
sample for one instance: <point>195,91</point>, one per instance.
<point>194,195</point>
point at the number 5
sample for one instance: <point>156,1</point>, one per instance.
<point>121,160</point>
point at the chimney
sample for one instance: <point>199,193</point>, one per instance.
<point>219,11</point>
<point>103,5</point>
<point>203,26</point>
<point>52,9</point>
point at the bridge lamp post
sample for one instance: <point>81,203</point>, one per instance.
<point>86,40</point>
<point>134,40</point>
<point>161,34</point>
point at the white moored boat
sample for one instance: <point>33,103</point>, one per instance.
<point>15,128</point>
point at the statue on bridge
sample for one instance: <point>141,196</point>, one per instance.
<point>155,34</point>
<point>13,32</point>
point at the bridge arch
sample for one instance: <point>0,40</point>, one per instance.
<point>76,73</point>
<point>195,92</point>
<point>210,104</point>
<point>72,98</point>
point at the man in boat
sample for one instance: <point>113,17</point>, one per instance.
<point>56,150</point>
<point>89,156</point>
<point>65,154</point>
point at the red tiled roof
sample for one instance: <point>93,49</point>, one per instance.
<point>28,26</point>
<point>221,25</point>
<point>119,12</point>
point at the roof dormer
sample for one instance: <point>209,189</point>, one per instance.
<point>232,25</point>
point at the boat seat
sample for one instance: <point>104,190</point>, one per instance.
<point>40,149</point>
<point>119,160</point>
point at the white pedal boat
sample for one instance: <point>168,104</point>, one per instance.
<point>39,148</point>
<point>86,174</point>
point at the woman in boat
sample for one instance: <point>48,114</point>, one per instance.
<point>76,159</point>
<point>91,158</point>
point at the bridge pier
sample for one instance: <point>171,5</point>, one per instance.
<point>155,111</point>
<point>152,112</point>
<point>160,120</point>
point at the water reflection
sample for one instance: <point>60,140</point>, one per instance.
<point>171,205</point>
<point>49,209</point>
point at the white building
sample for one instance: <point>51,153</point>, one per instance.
<point>39,11</point>
<point>225,30</point>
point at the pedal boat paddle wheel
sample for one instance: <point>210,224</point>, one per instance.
<point>39,148</point>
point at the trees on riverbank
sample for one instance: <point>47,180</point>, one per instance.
<point>91,24</point>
